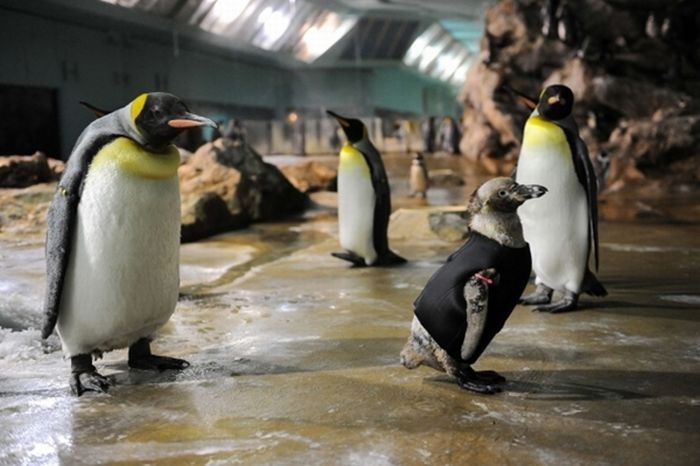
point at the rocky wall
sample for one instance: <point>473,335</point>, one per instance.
<point>634,67</point>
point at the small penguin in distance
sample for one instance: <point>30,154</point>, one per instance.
<point>418,178</point>
<point>113,238</point>
<point>364,200</point>
<point>562,228</point>
<point>468,300</point>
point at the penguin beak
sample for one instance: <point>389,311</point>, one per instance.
<point>190,120</point>
<point>529,191</point>
<point>553,99</point>
<point>342,120</point>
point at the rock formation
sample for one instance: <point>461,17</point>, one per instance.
<point>224,186</point>
<point>227,185</point>
<point>312,176</point>
<point>20,171</point>
<point>634,67</point>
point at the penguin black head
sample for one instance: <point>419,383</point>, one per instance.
<point>503,194</point>
<point>159,117</point>
<point>556,102</point>
<point>353,128</point>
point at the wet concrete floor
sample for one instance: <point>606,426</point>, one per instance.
<point>295,361</point>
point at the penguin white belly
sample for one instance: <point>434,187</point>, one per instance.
<point>417,180</point>
<point>356,202</point>
<point>556,224</point>
<point>122,279</point>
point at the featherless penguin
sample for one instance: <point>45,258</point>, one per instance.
<point>468,300</point>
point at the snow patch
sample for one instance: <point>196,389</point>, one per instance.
<point>25,345</point>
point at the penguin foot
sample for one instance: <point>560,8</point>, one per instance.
<point>85,378</point>
<point>389,258</point>
<point>140,357</point>
<point>542,295</point>
<point>469,379</point>
<point>158,363</point>
<point>350,256</point>
<point>568,303</point>
<point>491,377</point>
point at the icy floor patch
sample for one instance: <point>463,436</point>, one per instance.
<point>20,310</point>
<point>620,247</point>
<point>25,345</point>
<point>681,298</point>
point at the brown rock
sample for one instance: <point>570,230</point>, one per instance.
<point>20,171</point>
<point>311,176</point>
<point>637,94</point>
<point>226,185</point>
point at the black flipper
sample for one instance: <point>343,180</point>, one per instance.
<point>357,261</point>
<point>62,213</point>
<point>476,296</point>
<point>382,204</point>
<point>587,177</point>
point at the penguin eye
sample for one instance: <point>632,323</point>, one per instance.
<point>502,193</point>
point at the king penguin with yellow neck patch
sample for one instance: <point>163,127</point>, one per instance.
<point>562,227</point>
<point>113,238</point>
<point>364,200</point>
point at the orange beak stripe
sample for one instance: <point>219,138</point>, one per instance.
<point>182,123</point>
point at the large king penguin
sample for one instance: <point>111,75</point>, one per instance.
<point>561,228</point>
<point>468,300</point>
<point>113,238</point>
<point>364,199</point>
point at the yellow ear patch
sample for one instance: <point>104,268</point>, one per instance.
<point>134,159</point>
<point>137,105</point>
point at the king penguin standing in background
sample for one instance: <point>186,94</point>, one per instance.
<point>561,227</point>
<point>364,199</point>
<point>113,238</point>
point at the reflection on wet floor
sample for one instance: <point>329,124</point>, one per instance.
<point>295,361</point>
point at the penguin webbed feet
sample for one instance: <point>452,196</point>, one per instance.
<point>568,302</point>
<point>85,378</point>
<point>485,382</point>
<point>389,258</point>
<point>541,295</point>
<point>140,357</point>
<point>357,261</point>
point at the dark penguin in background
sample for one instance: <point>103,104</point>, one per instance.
<point>561,228</point>
<point>113,239</point>
<point>364,199</point>
<point>468,300</point>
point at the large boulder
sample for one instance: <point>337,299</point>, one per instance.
<point>226,185</point>
<point>311,176</point>
<point>20,171</point>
